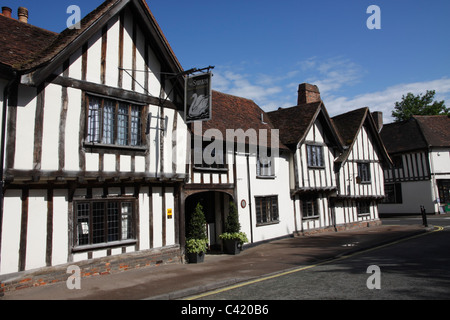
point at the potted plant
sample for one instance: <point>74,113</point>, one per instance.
<point>233,238</point>
<point>197,242</point>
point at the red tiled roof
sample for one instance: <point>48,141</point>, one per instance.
<point>21,42</point>
<point>348,124</point>
<point>232,112</point>
<point>32,47</point>
<point>419,132</point>
<point>294,122</point>
<point>436,129</point>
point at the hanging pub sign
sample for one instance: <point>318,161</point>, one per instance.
<point>198,98</point>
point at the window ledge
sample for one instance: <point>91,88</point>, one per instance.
<point>267,223</point>
<point>89,145</point>
<point>104,245</point>
<point>213,170</point>
<point>310,218</point>
<point>266,177</point>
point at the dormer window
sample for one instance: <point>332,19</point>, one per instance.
<point>364,172</point>
<point>315,156</point>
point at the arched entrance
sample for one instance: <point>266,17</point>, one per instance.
<point>215,206</point>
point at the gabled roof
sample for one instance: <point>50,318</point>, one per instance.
<point>294,123</point>
<point>419,132</point>
<point>350,124</point>
<point>232,112</point>
<point>20,41</point>
<point>50,50</point>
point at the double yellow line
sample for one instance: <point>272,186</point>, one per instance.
<point>277,275</point>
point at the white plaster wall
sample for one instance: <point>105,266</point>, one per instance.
<point>36,230</point>
<point>112,61</point>
<point>440,159</point>
<point>60,227</point>
<point>157,219</point>
<point>414,195</point>
<point>144,219</point>
<point>11,232</point>
<point>26,111</point>
<point>170,223</point>
<point>72,131</point>
<point>50,128</point>
<point>265,187</point>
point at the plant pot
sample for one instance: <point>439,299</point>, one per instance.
<point>196,257</point>
<point>231,246</point>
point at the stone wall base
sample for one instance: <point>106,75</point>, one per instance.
<point>339,228</point>
<point>91,268</point>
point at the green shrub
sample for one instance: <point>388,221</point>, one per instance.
<point>196,245</point>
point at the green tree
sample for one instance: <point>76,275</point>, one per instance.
<point>197,224</point>
<point>420,105</point>
<point>232,224</point>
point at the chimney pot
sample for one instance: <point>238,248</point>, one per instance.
<point>6,11</point>
<point>308,93</point>
<point>378,117</point>
<point>23,14</point>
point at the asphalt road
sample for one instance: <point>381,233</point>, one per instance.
<point>417,268</point>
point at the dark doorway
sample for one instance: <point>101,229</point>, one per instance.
<point>215,206</point>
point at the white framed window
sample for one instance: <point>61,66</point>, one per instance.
<point>310,207</point>
<point>266,210</point>
<point>364,172</point>
<point>265,166</point>
<point>114,123</point>
<point>102,222</point>
<point>315,156</point>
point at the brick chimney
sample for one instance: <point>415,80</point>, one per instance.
<point>23,14</point>
<point>6,11</point>
<point>378,117</point>
<point>308,93</point>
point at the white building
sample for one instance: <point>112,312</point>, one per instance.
<point>239,135</point>
<point>420,176</point>
<point>88,143</point>
<point>336,176</point>
<point>100,167</point>
<point>359,168</point>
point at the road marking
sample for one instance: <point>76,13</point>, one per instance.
<point>285,273</point>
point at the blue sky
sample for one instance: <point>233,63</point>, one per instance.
<point>263,50</point>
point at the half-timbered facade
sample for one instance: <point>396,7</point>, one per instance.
<point>336,164</point>
<point>248,166</point>
<point>94,142</point>
<point>420,175</point>
<point>100,169</point>
<point>359,168</point>
<point>314,145</point>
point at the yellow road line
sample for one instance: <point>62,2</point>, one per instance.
<point>247,283</point>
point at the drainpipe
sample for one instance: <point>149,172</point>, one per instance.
<point>249,197</point>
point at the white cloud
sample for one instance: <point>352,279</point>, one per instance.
<point>262,88</point>
<point>384,100</point>
<point>332,74</point>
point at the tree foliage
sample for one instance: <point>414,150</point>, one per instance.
<point>232,224</point>
<point>197,224</point>
<point>420,105</point>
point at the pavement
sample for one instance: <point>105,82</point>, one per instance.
<point>177,281</point>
